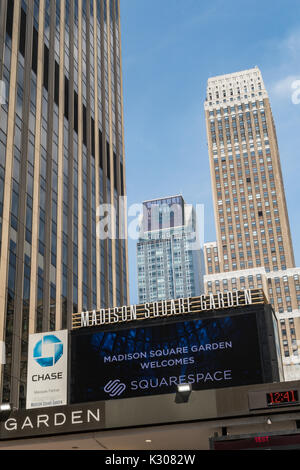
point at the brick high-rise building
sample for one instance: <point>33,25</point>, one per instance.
<point>254,246</point>
<point>61,156</point>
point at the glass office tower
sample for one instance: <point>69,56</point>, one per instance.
<point>61,156</point>
<point>169,254</point>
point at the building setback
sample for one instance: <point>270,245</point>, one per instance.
<point>254,246</point>
<point>61,156</point>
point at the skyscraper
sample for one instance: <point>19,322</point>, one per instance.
<point>61,156</point>
<point>169,258</point>
<point>254,246</point>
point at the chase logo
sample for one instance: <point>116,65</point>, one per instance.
<point>115,388</point>
<point>48,351</point>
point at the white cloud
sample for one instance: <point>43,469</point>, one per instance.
<point>292,45</point>
<point>284,88</point>
<point>287,67</point>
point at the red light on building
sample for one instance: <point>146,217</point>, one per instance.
<point>271,441</point>
<point>261,439</point>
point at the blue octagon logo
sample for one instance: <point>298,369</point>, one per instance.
<point>57,351</point>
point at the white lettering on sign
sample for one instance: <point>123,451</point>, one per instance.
<point>49,420</point>
<point>162,309</point>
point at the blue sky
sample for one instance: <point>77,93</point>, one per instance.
<point>169,49</point>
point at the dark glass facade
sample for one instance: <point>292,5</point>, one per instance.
<point>61,156</point>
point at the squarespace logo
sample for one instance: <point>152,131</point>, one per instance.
<point>115,388</point>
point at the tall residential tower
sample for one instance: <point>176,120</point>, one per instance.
<point>254,246</point>
<point>61,156</point>
<point>169,255</point>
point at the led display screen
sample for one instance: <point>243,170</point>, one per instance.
<point>208,353</point>
<point>282,398</point>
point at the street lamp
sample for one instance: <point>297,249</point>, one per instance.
<point>5,410</point>
<point>183,393</point>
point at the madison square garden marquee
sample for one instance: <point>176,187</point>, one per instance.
<point>210,342</point>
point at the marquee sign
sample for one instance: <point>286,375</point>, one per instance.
<point>51,421</point>
<point>167,308</point>
<point>227,348</point>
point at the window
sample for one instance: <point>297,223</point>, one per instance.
<point>46,67</point>
<point>34,50</point>
<point>22,43</point>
